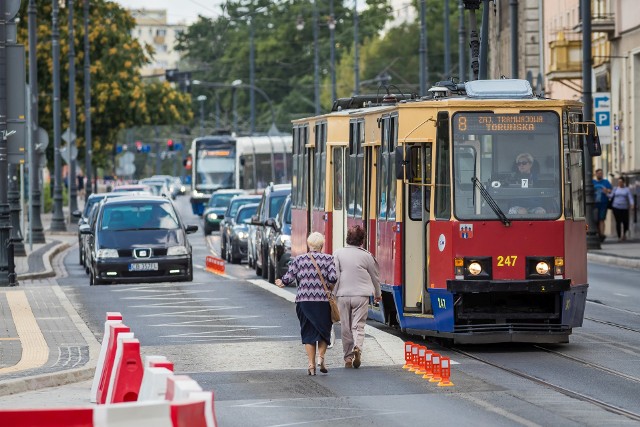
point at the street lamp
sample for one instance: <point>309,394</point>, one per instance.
<point>201,99</point>
<point>234,86</point>
<point>316,57</point>
<point>331,23</point>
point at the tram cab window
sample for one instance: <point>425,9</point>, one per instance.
<point>421,178</point>
<point>516,157</point>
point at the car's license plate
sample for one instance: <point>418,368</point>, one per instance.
<point>143,266</point>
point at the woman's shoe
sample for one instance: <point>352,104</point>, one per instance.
<point>311,370</point>
<point>323,368</point>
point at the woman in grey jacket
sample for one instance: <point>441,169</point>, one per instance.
<point>358,279</point>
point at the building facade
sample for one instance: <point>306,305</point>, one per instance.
<point>153,30</point>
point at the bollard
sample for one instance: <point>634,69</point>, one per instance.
<point>13,277</point>
<point>414,358</point>
<point>428,365</point>
<point>407,355</point>
<point>422,351</point>
<point>437,371</point>
<point>445,368</point>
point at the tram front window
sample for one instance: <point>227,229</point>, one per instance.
<point>516,157</point>
<point>214,170</point>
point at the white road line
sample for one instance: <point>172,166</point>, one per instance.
<point>185,313</point>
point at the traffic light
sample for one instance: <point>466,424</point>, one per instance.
<point>139,146</point>
<point>170,145</point>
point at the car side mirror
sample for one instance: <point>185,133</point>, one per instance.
<point>255,220</point>
<point>190,229</point>
<point>85,229</point>
<point>77,213</point>
<point>270,222</point>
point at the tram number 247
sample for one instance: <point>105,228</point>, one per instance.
<point>507,261</point>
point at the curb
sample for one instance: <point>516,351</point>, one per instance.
<point>47,257</point>
<point>37,382</point>
<point>610,259</point>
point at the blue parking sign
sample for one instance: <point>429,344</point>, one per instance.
<point>603,118</point>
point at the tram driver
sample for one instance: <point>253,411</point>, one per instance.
<point>525,174</point>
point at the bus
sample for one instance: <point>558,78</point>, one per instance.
<point>226,161</point>
<point>469,250</point>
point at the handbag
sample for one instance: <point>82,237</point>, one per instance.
<point>610,202</point>
<point>335,313</point>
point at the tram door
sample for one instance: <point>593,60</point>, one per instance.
<point>339,232</point>
<point>417,206</point>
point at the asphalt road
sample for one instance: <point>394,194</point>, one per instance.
<point>242,342</point>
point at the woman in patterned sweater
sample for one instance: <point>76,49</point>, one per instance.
<point>312,304</point>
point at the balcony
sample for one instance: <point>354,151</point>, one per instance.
<point>603,23</point>
<point>566,59</point>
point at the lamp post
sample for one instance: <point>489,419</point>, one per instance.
<point>201,100</point>
<point>316,57</point>
<point>356,51</point>
<point>73,195</point>
<point>57,219</point>
<point>36,234</point>
<point>87,104</point>
<point>331,23</point>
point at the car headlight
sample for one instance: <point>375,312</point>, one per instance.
<point>177,250</point>
<point>475,268</point>
<point>242,235</point>
<point>107,253</point>
<point>542,268</point>
<point>212,217</point>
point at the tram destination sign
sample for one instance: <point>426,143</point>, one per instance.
<point>489,123</point>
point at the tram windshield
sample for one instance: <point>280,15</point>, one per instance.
<point>215,166</point>
<point>516,157</point>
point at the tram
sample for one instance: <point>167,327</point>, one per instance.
<point>469,249</point>
<point>224,161</point>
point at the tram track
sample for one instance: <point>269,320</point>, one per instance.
<point>565,391</point>
<point>613,324</point>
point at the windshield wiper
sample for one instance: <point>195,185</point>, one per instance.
<point>491,202</point>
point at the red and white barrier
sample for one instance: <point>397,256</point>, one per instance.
<point>105,375</point>
<point>209,408</point>
<point>58,417</point>
<point>154,384</point>
<point>179,387</point>
<point>128,373</point>
<point>188,413</point>
<point>133,414</point>
<point>112,319</point>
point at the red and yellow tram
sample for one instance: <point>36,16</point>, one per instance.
<point>473,202</point>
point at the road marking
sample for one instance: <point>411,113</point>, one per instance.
<point>35,351</point>
<point>186,313</point>
<point>10,339</point>
<point>620,295</point>
<point>212,318</point>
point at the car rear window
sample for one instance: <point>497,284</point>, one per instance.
<point>244,215</point>
<point>220,200</point>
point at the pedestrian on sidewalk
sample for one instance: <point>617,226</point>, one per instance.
<point>313,271</point>
<point>621,201</point>
<point>358,279</point>
<point>602,188</point>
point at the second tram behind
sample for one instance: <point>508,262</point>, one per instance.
<point>469,249</point>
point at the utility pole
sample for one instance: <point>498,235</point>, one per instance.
<point>5,222</point>
<point>462,63</point>
<point>73,193</point>
<point>87,105</point>
<point>57,220</point>
<point>332,40</point>
<point>423,47</point>
<point>36,234</point>
<point>447,42</point>
<point>513,6</point>
<point>252,78</point>
<point>316,59</point>
<point>484,41</point>
<point>593,240</point>
<point>356,61</point>
<point>474,43</point>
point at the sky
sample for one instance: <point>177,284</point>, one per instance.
<point>177,10</point>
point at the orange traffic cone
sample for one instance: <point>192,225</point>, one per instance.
<point>437,371</point>
<point>407,355</point>
<point>428,365</point>
<point>445,369</point>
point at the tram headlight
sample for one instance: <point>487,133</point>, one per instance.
<point>474,268</point>
<point>542,268</point>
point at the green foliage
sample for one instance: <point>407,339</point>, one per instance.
<point>119,98</point>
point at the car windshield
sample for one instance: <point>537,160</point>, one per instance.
<point>275,203</point>
<point>287,214</point>
<point>237,204</point>
<point>139,216</point>
<point>220,200</point>
<point>245,214</point>
<point>90,204</point>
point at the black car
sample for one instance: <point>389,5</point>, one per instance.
<point>229,220</point>
<point>141,239</point>
<point>279,242</point>
<point>270,204</point>
<point>215,209</point>
<point>83,217</point>
<point>239,233</point>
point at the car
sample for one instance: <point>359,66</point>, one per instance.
<point>140,239</point>
<point>216,207</point>
<point>174,185</point>
<point>83,217</point>
<point>158,186</point>
<point>239,233</point>
<point>279,242</point>
<point>134,188</point>
<point>270,204</point>
<point>227,223</point>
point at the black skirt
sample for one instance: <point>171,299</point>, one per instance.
<point>315,321</point>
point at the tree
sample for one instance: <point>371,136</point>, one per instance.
<point>119,97</point>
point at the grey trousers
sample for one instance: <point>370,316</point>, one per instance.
<point>353,316</point>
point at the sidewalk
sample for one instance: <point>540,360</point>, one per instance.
<point>43,340</point>
<point>612,252</point>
